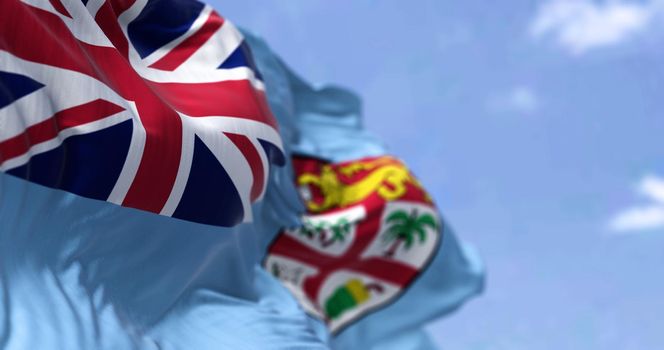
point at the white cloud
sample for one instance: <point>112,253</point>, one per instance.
<point>582,25</point>
<point>639,218</point>
<point>519,99</point>
<point>653,187</point>
<point>643,217</point>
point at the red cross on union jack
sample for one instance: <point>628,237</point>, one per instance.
<point>150,104</point>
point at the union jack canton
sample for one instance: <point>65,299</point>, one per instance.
<point>149,104</point>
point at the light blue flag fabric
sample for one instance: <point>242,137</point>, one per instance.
<point>328,125</point>
<point>83,274</point>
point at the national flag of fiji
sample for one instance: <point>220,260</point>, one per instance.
<point>150,104</point>
<point>369,231</point>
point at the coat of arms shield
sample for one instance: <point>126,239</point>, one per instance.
<point>369,230</point>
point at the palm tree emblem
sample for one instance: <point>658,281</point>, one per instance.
<point>405,228</point>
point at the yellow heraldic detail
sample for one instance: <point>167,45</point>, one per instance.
<point>388,178</point>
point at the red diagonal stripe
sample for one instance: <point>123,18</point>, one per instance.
<point>251,154</point>
<point>107,18</point>
<point>179,54</point>
<point>57,5</point>
<point>120,6</point>
<point>50,128</point>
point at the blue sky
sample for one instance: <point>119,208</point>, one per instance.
<point>538,128</point>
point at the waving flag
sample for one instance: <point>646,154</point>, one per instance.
<point>373,258</point>
<point>149,104</point>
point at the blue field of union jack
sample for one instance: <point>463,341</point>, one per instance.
<point>149,104</point>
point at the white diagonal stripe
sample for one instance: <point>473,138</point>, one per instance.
<point>132,162</point>
<point>215,51</point>
<point>81,24</point>
<point>164,50</point>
